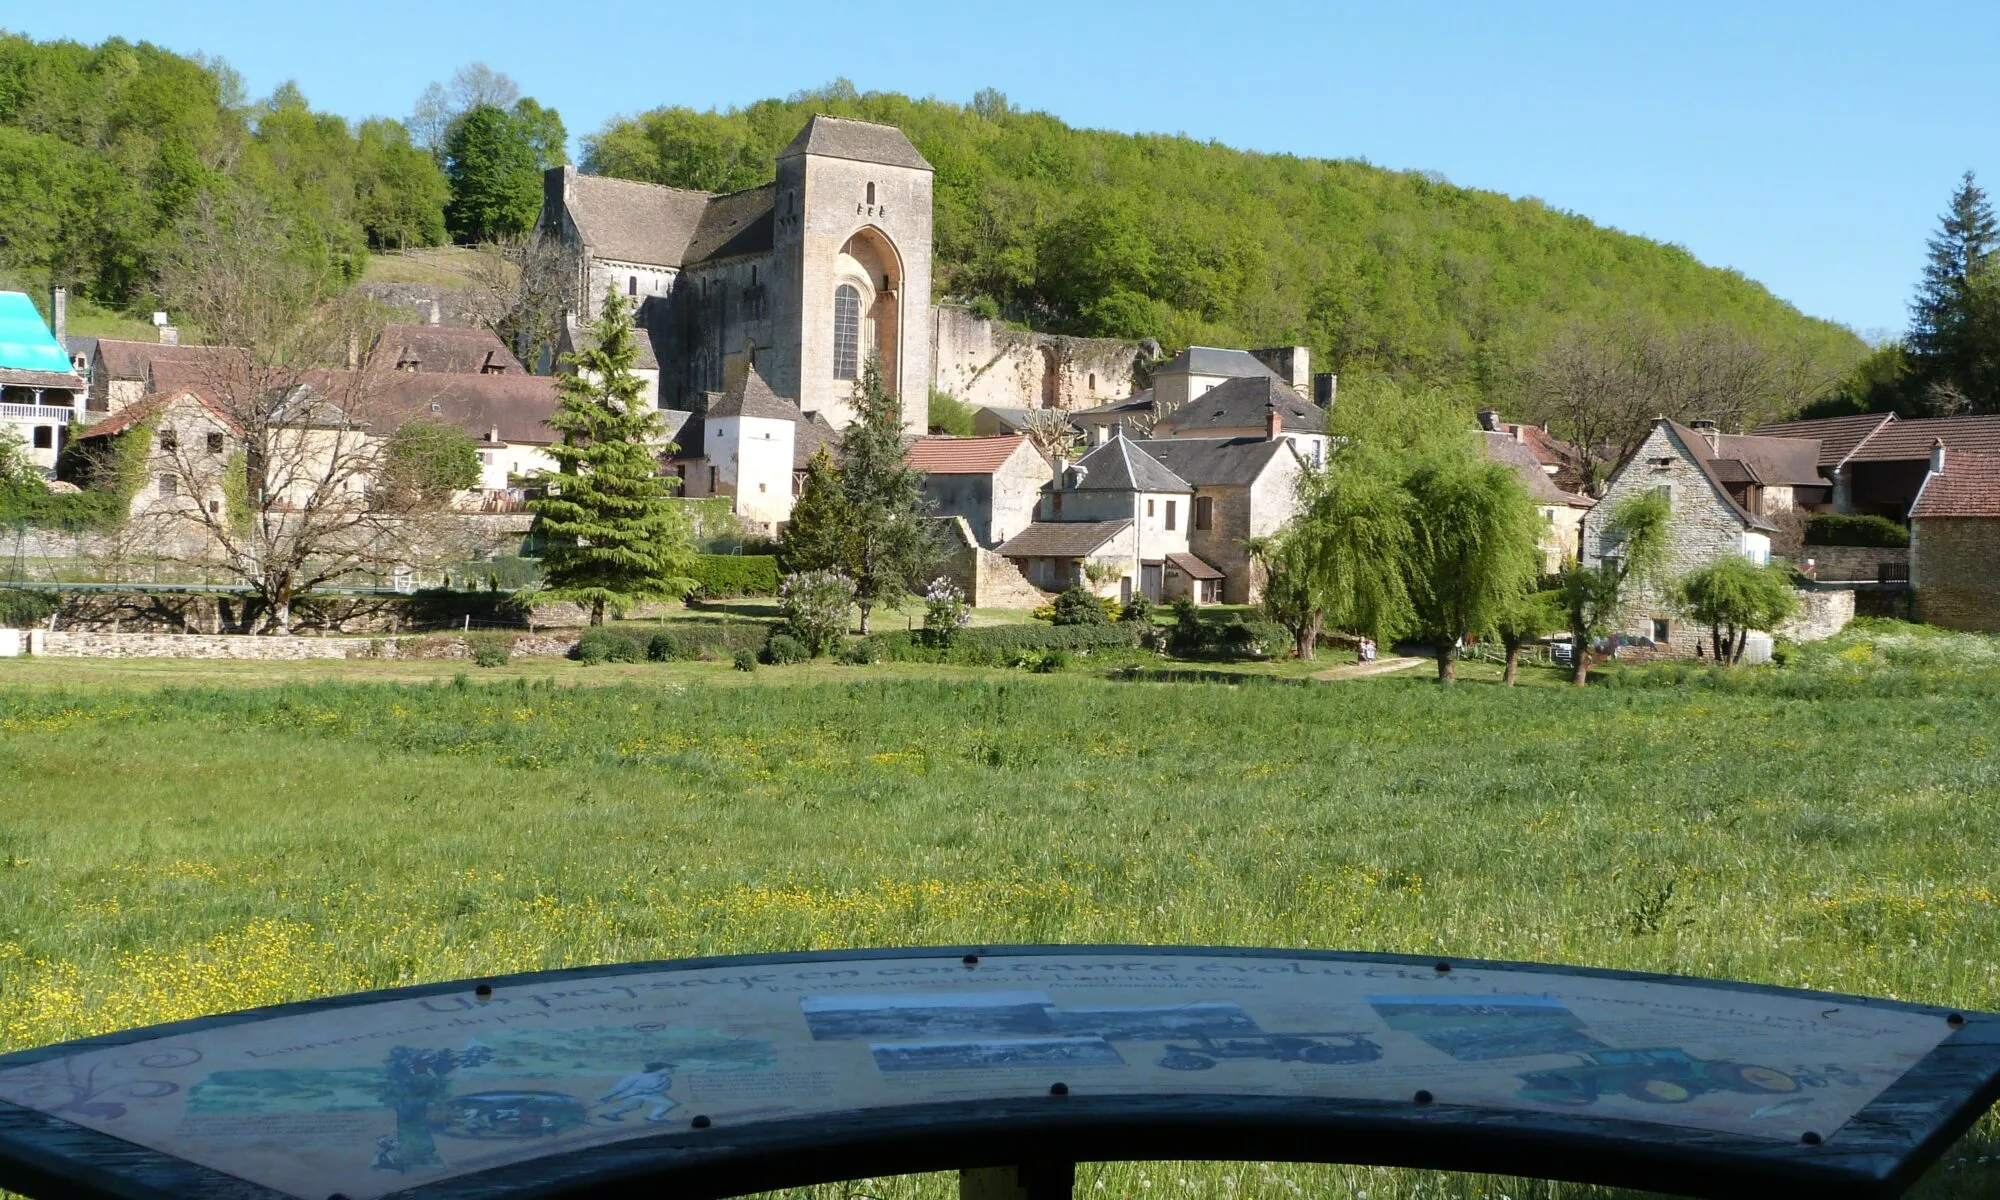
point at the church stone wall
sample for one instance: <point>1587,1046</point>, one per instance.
<point>987,364</point>
<point>719,318</point>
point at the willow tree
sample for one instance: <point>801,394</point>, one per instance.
<point>1472,549</point>
<point>1633,547</point>
<point>613,535</point>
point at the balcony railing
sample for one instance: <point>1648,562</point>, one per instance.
<point>37,412</point>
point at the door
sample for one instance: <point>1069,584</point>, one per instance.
<point>1149,581</point>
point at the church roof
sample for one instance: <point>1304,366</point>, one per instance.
<point>754,398</point>
<point>1120,465</point>
<point>634,222</point>
<point>1245,403</point>
<point>861,141</point>
<point>733,224</point>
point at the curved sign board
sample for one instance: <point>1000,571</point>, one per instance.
<point>722,1076</point>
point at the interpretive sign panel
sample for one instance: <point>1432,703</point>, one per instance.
<point>679,1066</point>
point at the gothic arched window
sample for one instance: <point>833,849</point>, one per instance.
<point>846,331</point>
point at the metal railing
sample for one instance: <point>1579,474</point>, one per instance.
<point>37,412</point>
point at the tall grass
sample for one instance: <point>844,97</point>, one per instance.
<point>166,854</point>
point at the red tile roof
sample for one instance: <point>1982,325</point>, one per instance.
<point>1902,440</point>
<point>454,349</point>
<point>1968,487</point>
<point>963,456</point>
<point>131,360</point>
<point>133,414</point>
<point>1838,437</point>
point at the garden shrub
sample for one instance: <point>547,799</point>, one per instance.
<point>715,640</point>
<point>1839,529</point>
<point>745,660</point>
<point>815,606</point>
<point>1079,607</point>
<point>488,649</point>
<point>721,575</point>
<point>945,613</point>
<point>1138,609</point>
<point>664,647</point>
<point>1048,662</point>
<point>783,648</point>
<point>22,607</point>
<point>1009,645</point>
<point>863,651</point>
<point>601,645</point>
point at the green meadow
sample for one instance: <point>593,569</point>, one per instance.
<point>171,846</point>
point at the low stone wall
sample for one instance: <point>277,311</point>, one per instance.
<point>59,644</point>
<point>1001,584</point>
<point>1862,564</point>
<point>1823,612</point>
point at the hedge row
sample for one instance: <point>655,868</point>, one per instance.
<point>687,639</point>
<point>719,575</point>
<point>988,644</point>
<point>1837,529</point>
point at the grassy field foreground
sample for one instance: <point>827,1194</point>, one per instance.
<point>168,853</point>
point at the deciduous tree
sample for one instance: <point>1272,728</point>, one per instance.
<point>1472,549</point>
<point>1594,597</point>
<point>496,191</point>
<point>1733,596</point>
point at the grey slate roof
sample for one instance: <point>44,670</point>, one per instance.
<point>1211,360</point>
<point>1242,403</point>
<point>812,433</point>
<point>1119,465</point>
<point>1215,462</point>
<point>1013,420</point>
<point>754,398</point>
<point>1063,539</point>
<point>733,224</point>
<point>1117,410</point>
<point>635,222</point>
<point>861,141</point>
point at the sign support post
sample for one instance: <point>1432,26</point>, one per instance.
<point>1029,1181</point>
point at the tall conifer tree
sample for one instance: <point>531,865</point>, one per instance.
<point>1954,340</point>
<point>889,540</point>
<point>613,535</point>
<point>816,536</point>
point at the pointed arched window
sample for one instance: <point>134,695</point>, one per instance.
<point>846,331</point>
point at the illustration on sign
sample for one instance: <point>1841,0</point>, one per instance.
<point>386,1095</point>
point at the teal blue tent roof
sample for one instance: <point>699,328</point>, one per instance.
<point>25,341</point>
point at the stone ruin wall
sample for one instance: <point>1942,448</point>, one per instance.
<point>984,363</point>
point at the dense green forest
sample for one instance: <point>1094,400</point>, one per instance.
<point>1133,236</point>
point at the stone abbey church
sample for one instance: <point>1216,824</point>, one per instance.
<point>803,279</point>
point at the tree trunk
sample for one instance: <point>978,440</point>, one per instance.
<point>1580,670</point>
<point>597,612</point>
<point>1513,671</point>
<point>1305,636</point>
<point>1715,642</point>
<point>1447,664</point>
<point>864,620</point>
<point>1736,652</point>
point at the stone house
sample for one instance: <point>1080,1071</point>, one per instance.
<point>1562,512</point>
<point>1117,507</point>
<point>1559,460</point>
<point>994,483</point>
<point>506,414</point>
<point>1243,488</point>
<point>807,278</point>
<point>1136,415</point>
<point>190,444</point>
<point>1198,369</point>
<point>1875,463</point>
<point>1249,407</point>
<point>1955,540</point>
<point>42,396</point>
<point>1710,520</point>
<point>125,372</point>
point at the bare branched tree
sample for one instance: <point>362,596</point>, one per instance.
<point>1051,432</point>
<point>522,290</point>
<point>273,465</point>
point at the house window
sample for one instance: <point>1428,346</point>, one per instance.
<point>1093,385</point>
<point>632,285</point>
<point>168,441</point>
<point>1055,504</point>
<point>1661,629</point>
<point>1170,513</point>
<point>169,487</point>
<point>45,437</point>
<point>486,456</point>
<point>846,331</point>
<point>1204,512</point>
<point>1149,507</point>
<point>437,408</point>
<point>215,443</point>
<point>712,481</point>
<point>871,193</point>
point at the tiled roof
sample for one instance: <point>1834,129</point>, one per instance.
<point>135,360</point>
<point>15,377</point>
<point>738,223</point>
<point>1968,487</point>
<point>634,222</point>
<point>1245,403</point>
<point>1838,437</point>
<point>1105,414</point>
<point>861,141</point>
<point>1773,461</point>
<point>1215,462</point>
<point>133,414</point>
<point>1063,539</point>
<point>445,348</point>
<point>963,456</point>
<point>808,436</point>
<point>1193,567</point>
<point>517,406</point>
<point>754,398</point>
<point>1904,440</point>
<point>1120,465</point>
<point>1697,448</point>
<point>1211,360</point>
<point>1503,449</point>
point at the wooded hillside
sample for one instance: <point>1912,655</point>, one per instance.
<point>1133,236</point>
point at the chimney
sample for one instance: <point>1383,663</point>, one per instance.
<point>59,313</point>
<point>169,336</point>
<point>1937,457</point>
<point>1709,430</point>
<point>1274,423</point>
<point>1489,420</point>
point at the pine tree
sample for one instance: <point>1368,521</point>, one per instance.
<point>613,535</point>
<point>1954,339</point>
<point>816,536</point>
<point>889,543</point>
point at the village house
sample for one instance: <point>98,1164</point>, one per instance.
<point>1955,540</point>
<point>993,482</point>
<point>1251,407</point>
<point>1562,512</point>
<point>443,349</point>
<point>505,414</point>
<point>1874,463</point>
<point>41,394</point>
<point>125,372</point>
<point>1561,461</point>
<point>190,445</point>
<point>1710,519</point>
<point>1243,488</point>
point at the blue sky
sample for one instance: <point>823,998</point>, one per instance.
<point>1808,145</point>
